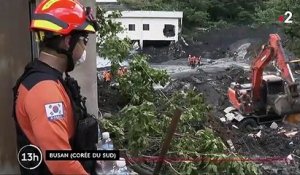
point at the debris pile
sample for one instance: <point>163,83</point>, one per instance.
<point>161,54</point>
<point>271,144</point>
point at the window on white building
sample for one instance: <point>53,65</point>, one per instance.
<point>131,27</point>
<point>169,30</point>
<point>146,27</point>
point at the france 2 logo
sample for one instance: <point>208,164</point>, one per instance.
<point>286,18</point>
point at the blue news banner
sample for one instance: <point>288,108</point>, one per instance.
<point>82,155</point>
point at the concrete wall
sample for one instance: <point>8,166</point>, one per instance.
<point>86,74</point>
<point>15,52</point>
<point>156,27</point>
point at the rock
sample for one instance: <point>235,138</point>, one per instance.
<point>223,119</point>
<point>107,115</point>
<point>289,159</point>
<point>231,145</point>
<point>291,134</point>
<point>258,134</point>
<point>229,116</point>
<point>229,109</point>
<point>274,125</point>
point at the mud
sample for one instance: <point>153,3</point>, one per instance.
<point>212,79</point>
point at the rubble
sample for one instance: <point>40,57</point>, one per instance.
<point>231,146</point>
<point>291,134</point>
<point>258,134</point>
<point>274,125</point>
<point>270,141</point>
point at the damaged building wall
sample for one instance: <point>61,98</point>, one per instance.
<point>155,30</point>
<point>150,25</point>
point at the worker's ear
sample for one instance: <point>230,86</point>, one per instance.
<point>66,42</point>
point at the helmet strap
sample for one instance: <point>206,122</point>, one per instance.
<point>70,62</point>
<point>69,53</point>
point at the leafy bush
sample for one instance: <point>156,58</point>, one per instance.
<point>138,83</point>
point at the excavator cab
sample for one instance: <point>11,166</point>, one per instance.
<point>279,97</point>
<point>272,87</point>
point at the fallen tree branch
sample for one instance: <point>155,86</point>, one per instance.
<point>135,167</point>
<point>172,168</point>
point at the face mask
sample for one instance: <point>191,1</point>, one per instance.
<point>82,58</point>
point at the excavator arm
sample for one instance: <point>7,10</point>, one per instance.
<point>270,52</point>
<point>260,62</point>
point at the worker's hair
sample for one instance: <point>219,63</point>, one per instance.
<point>50,43</point>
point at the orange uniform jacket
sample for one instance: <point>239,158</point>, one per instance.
<point>107,76</point>
<point>44,113</point>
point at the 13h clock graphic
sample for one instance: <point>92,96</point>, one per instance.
<point>30,157</point>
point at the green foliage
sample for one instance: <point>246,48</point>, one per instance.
<point>109,45</point>
<point>138,83</point>
<point>108,27</point>
<point>197,149</point>
<point>203,13</point>
<point>139,122</point>
<point>272,9</point>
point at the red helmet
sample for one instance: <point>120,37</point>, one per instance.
<point>62,17</point>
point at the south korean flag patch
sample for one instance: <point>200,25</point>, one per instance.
<point>54,111</point>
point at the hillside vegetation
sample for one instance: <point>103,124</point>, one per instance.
<point>217,14</point>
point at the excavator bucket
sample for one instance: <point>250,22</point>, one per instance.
<point>287,105</point>
<point>296,65</point>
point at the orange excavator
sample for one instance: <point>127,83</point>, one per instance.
<point>267,98</point>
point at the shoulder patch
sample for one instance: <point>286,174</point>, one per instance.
<point>54,111</point>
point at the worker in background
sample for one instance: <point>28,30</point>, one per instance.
<point>189,58</point>
<point>125,70</point>
<point>107,76</point>
<point>198,61</point>
<point>104,74</point>
<point>43,110</point>
<point>192,61</point>
<point>235,55</point>
<point>122,71</point>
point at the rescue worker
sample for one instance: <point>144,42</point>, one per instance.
<point>107,76</point>
<point>193,62</point>
<point>122,71</point>
<point>43,109</point>
<point>197,61</point>
<point>104,74</point>
<point>189,59</point>
<point>235,55</point>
